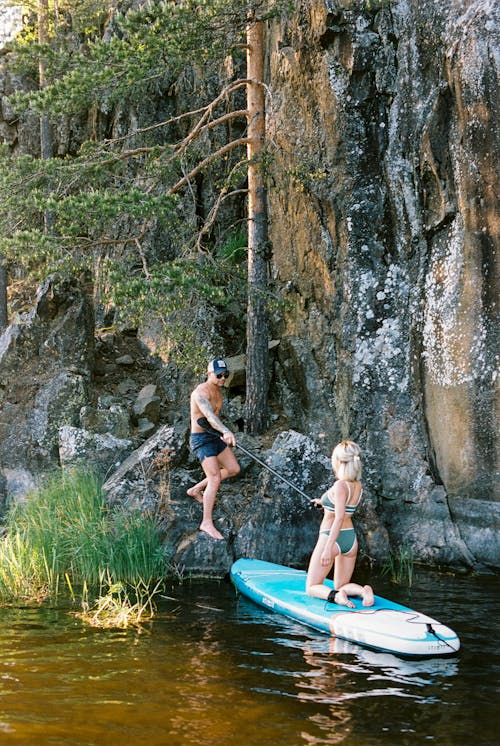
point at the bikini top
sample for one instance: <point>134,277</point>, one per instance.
<point>329,505</point>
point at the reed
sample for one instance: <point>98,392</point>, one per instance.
<point>399,566</point>
<point>119,606</point>
<point>64,538</point>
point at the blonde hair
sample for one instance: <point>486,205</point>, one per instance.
<point>346,461</point>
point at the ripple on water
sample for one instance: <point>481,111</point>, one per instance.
<point>222,670</point>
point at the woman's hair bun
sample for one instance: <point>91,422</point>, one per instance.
<point>346,460</point>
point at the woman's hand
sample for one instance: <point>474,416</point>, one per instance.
<point>326,557</point>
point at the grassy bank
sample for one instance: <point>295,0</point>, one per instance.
<point>63,539</point>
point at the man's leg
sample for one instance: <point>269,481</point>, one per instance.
<point>197,490</point>
<point>230,467</point>
<point>210,466</point>
<point>216,469</point>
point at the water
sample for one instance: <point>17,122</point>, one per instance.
<point>216,669</point>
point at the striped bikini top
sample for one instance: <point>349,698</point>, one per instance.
<point>329,505</point>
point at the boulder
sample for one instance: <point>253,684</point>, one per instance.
<point>46,359</point>
<point>278,524</point>
<point>147,404</point>
<point>136,484</point>
<point>114,419</point>
<point>79,448</point>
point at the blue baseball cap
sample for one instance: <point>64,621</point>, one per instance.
<point>218,366</point>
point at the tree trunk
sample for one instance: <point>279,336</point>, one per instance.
<point>46,151</point>
<point>257,321</point>
<point>3,296</point>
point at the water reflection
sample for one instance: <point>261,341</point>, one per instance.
<point>343,679</point>
<point>360,697</point>
<point>387,674</point>
<point>216,669</point>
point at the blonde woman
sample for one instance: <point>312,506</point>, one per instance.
<point>337,542</point>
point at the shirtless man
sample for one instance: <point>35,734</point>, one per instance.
<point>217,460</point>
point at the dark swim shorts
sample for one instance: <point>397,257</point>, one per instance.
<point>206,444</point>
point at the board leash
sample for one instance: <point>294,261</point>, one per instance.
<point>432,631</point>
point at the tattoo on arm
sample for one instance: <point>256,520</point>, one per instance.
<point>206,408</point>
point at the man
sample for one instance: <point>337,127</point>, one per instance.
<point>216,458</point>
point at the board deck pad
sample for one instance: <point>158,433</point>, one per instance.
<point>385,626</point>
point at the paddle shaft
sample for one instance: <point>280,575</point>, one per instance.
<point>204,423</point>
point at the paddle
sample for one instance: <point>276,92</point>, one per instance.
<point>204,423</point>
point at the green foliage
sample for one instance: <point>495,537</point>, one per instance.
<point>64,535</point>
<point>103,219</point>
<point>142,46</point>
<point>399,566</point>
<point>234,249</point>
<point>175,298</point>
<point>111,204</point>
<point>70,26</point>
<point>182,282</point>
<point>120,607</point>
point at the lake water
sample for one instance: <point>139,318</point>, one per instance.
<point>213,668</point>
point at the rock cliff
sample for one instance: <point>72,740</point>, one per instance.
<point>384,225</point>
<point>383,140</point>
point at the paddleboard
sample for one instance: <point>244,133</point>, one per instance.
<point>385,626</point>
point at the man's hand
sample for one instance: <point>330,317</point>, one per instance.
<point>229,438</point>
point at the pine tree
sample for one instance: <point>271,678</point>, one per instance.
<point>4,319</point>
<point>126,184</point>
<point>257,323</point>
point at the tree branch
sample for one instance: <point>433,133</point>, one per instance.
<point>222,95</point>
<point>198,130</point>
<point>212,157</point>
<point>215,211</point>
<point>125,154</point>
<point>223,194</point>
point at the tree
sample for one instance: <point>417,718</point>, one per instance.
<point>46,150</point>
<point>4,320</point>
<point>257,325</point>
<point>111,198</point>
<point>45,134</point>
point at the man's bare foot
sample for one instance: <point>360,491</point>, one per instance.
<point>196,493</point>
<point>368,599</point>
<point>211,531</point>
<point>342,599</point>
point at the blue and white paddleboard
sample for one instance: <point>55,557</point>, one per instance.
<point>386,625</point>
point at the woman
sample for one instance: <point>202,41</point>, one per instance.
<point>337,541</point>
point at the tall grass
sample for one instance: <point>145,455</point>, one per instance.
<point>399,566</point>
<point>64,537</point>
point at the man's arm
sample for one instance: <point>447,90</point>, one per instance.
<point>203,404</point>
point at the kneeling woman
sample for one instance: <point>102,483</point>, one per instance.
<point>337,541</point>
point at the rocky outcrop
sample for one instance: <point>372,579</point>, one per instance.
<point>81,449</point>
<point>384,232</point>
<point>46,362</point>
<point>65,399</point>
<point>259,514</point>
<point>383,146</point>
